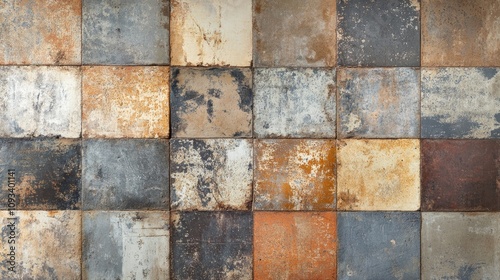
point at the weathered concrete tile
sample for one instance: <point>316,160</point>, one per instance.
<point>125,101</point>
<point>212,174</point>
<point>294,33</point>
<point>460,245</point>
<point>47,245</point>
<point>126,245</point>
<point>212,245</point>
<point>378,175</point>
<point>40,101</point>
<point>460,33</point>
<point>378,33</point>
<point>461,103</point>
<point>293,174</point>
<point>121,174</point>
<point>460,175</point>
<point>47,173</point>
<point>125,32</point>
<point>211,32</point>
<point>392,238</point>
<point>213,102</point>
<point>297,103</point>
<point>295,245</point>
<point>379,103</point>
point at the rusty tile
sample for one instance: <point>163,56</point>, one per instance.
<point>460,245</point>
<point>212,245</point>
<point>211,32</point>
<point>125,102</point>
<point>213,102</point>
<point>295,175</point>
<point>460,175</point>
<point>379,102</point>
<point>294,103</point>
<point>378,175</point>
<point>295,245</point>
<point>460,103</point>
<point>126,245</point>
<point>294,33</point>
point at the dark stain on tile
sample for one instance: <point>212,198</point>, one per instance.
<point>437,127</point>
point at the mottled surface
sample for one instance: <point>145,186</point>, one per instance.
<point>378,245</point>
<point>379,103</point>
<point>290,245</point>
<point>213,174</point>
<point>461,103</point>
<point>293,102</point>
<point>125,102</point>
<point>460,175</point>
<point>120,174</point>
<point>378,175</point>
<point>125,32</point>
<point>47,175</point>
<point>460,246</point>
<point>212,245</point>
<point>294,175</point>
<point>40,101</point>
<point>213,102</point>
<point>125,245</point>
<point>211,32</point>
<point>294,33</point>
<point>378,33</point>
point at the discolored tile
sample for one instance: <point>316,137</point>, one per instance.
<point>460,175</point>
<point>121,174</point>
<point>294,175</point>
<point>293,102</point>
<point>125,102</point>
<point>375,175</point>
<point>213,102</point>
<point>379,103</point>
<point>211,32</point>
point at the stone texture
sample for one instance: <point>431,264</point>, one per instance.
<point>212,245</point>
<point>40,101</point>
<point>392,239</point>
<point>460,175</point>
<point>47,171</point>
<point>298,103</point>
<point>211,32</point>
<point>293,174</point>
<point>125,102</point>
<point>125,32</point>
<point>461,103</point>
<point>378,33</point>
<point>300,245</point>
<point>213,102</point>
<point>126,245</point>
<point>460,246</point>
<point>294,33</point>
<point>378,175</point>
<point>460,33</point>
<point>121,174</point>
<point>379,103</point>
<point>212,174</point>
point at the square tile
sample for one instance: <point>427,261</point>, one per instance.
<point>379,102</point>
<point>215,102</point>
<point>127,102</point>
<point>294,102</point>
<point>378,175</point>
<point>378,33</point>
<point>211,32</point>
<point>300,245</point>
<point>461,103</point>
<point>121,174</point>
<point>293,174</point>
